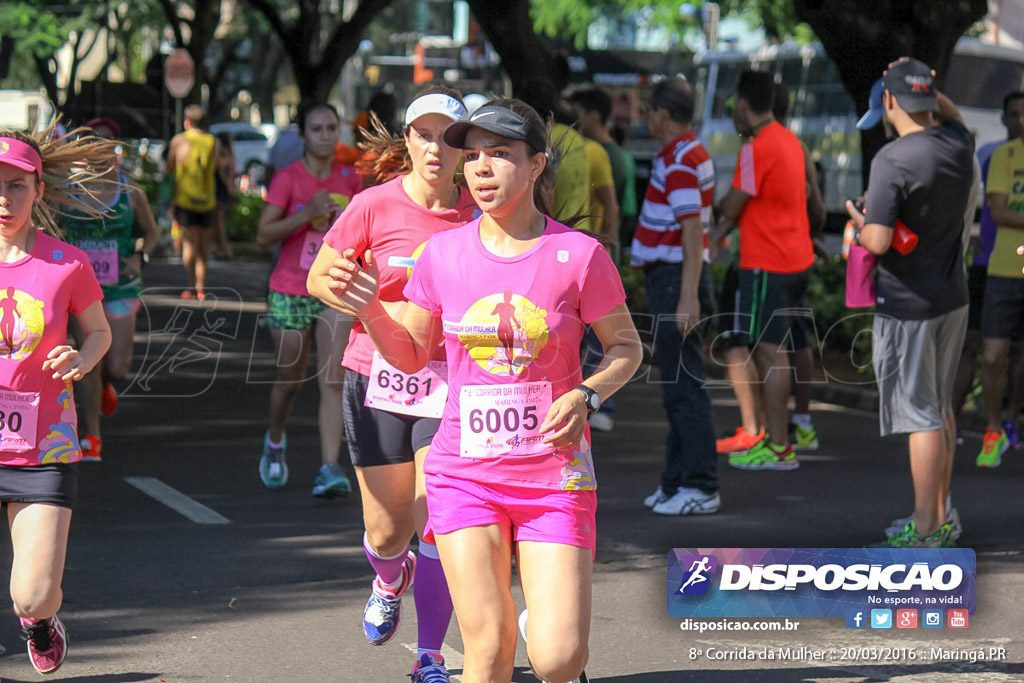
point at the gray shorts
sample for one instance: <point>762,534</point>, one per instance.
<point>915,365</point>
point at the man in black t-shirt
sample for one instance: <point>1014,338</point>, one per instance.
<point>921,180</point>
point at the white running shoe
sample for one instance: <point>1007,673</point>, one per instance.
<point>655,498</point>
<point>689,502</point>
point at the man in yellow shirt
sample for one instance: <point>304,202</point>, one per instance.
<point>604,207</point>
<point>191,164</point>
<point>1002,316</point>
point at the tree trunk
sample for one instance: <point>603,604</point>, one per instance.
<point>316,76</point>
<point>510,30</point>
<point>203,27</point>
<point>864,36</point>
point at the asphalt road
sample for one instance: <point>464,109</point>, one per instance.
<point>230,581</point>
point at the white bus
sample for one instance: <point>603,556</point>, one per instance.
<point>26,110</point>
<point>822,114</point>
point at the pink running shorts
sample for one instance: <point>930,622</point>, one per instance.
<point>540,515</point>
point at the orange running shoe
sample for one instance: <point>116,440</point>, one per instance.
<point>91,446</point>
<point>108,402</point>
<point>739,442</point>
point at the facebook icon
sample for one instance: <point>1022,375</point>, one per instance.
<point>856,618</point>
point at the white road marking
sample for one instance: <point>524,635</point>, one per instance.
<point>177,501</point>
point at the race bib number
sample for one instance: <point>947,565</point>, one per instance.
<point>104,265</point>
<point>310,246</point>
<point>19,414</point>
<point>503,419</point>
<point>420,395</point>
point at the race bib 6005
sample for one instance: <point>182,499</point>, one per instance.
<point>503,419</point>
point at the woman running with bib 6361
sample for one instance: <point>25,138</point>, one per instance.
<point>510,469</point>
<point>390,416</point>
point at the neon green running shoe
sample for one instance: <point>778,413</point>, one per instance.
<point>992,448</point>
<point>803,439</point>
<point>765,456</point>
<point>909,538</point>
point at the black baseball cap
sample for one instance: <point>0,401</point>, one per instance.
<point>500,121</point>
<point>912,83</point>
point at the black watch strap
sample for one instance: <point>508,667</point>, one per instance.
<point>592,397</point>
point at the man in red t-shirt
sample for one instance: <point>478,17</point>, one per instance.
<point>768,202</point>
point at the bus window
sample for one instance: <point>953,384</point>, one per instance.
<point>724,87</point>
<point>981,82</point>
<point>790,70</point>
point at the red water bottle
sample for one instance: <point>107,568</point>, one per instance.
<point>903,239</point>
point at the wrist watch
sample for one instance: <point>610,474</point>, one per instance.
<point>145,257</point>
<point>593,399</point>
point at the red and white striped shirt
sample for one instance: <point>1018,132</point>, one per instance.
<point>682,186</point>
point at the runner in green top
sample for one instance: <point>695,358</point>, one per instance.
<point>112,244</point>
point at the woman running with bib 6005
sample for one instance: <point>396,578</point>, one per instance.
<point>510,469</point>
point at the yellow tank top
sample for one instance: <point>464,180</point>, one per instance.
<point>194,187</point>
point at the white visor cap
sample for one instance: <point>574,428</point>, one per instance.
<point>435,103</point>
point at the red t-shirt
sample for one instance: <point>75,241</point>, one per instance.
<point>775,234</point>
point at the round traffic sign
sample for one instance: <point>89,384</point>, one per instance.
<point>179,73</point>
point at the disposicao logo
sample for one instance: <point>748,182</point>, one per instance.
<point>817,582</point>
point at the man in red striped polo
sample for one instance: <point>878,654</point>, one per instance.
<point>669,245</point>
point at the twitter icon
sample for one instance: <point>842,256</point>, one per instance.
<point>881,618</point>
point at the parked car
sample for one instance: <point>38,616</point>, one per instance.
<point>252,147</point>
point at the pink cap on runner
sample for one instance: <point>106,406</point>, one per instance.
<point>20,155</point>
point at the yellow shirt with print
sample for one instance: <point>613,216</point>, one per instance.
<point>600,176</point>
<point>1006,176</point>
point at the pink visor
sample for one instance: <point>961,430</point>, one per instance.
<point>20,155</point>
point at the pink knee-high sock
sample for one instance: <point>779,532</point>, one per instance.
<point>433,601</point>
<point>389,569</point>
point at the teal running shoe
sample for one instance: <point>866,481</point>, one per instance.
<point>273,469</point>
<point>331,482</point>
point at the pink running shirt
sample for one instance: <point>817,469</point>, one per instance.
<point>387,221</point>
<point>537,304</point>
<point>291,188</point>
<point>37,294</point>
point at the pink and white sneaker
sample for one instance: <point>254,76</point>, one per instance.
<point>46,641</point>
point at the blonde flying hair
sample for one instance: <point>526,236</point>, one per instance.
<point>70,162</point>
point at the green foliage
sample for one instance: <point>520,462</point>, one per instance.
<point>243,219</point>
<point>571,19</point>
<point>35,30</point>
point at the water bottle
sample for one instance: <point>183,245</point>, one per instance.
<point>903,238</point>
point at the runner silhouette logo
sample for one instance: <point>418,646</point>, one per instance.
<point>696,579</point>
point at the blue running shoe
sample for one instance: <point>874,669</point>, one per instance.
<point>430,669</point>
<point>331,481</point>
<point>273,470</point>
<point>384,608</point>
<point>1010,427</point>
